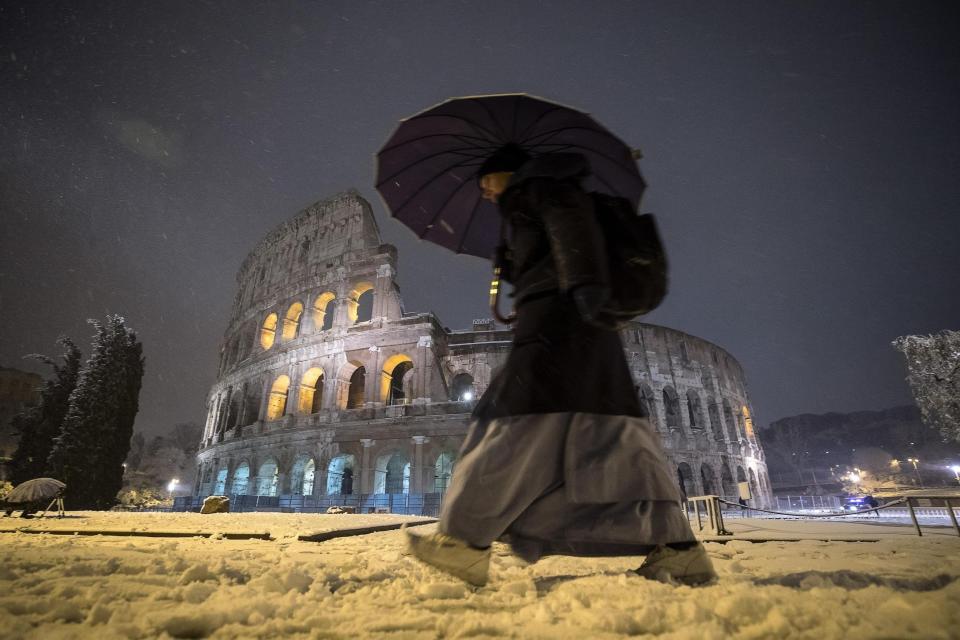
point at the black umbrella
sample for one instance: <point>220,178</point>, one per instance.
<point>426,172</point>
<point>35,490</point>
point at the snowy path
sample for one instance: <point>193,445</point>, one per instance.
<point>107,587</point>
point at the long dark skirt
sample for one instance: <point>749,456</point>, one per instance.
<point>560,458</point>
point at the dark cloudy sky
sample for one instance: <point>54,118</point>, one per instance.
<point>802,157</point>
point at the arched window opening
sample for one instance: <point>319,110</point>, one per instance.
<point>708,480</point>
<point>648,403</point>
<point>253,396</point>
<point>443,471</point>
<point>729,486</point>
<point>360,303</point>
<point>278,398</point>
<point>461,388</point>
<point>323,308</point>
<point>311,391</point>
<point>754,487</point>
<point>394,379</point>
<point>268,331</point>
<point>671,404</point>
<point>241,479</point>
<point>392,474</point>
<point>358,380</point>
<point>302,476</point>
<point>205,482</point>
<point>340,475</point>
<point>685,478</point>
<point>236,404</point>
<point>220,486</point>
<point>715,425</point>
<point>291,321</point>
<point>693,410</point>
<point>728,421</point>
<point>747,423</point>
<point>268,478</point>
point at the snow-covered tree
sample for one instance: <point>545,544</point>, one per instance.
<point>39,425</point>
<point>933,371</point>
<point>89,453</point>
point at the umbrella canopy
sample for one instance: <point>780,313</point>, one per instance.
<point>426,172</point>
<point>34,490</point>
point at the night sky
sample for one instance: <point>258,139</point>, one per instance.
<point>802,158</point>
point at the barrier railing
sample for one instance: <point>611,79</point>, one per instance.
<point>711,510</point>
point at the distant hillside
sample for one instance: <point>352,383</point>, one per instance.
<point>811,441</point>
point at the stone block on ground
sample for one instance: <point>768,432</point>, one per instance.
<point>216,504</point>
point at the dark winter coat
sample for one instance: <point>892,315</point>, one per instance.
<point>555,243</point>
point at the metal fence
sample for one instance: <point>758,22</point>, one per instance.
<point>800,503</point>
<point>419,504</point>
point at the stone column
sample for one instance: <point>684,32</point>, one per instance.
<point>416,468</point>
<point>372,384</point>
<point>365,481</point>
<point>265,397</point>
<point>421,368</point>
<point>381,291</point>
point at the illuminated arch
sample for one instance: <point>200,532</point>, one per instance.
<point>391,378</point>
<point>392,474</point>
<point>747,422</point>
<point>277,405</point>
<point>291,321</point>
<point>461,388</point>
<point>268,477</point>
<point>241,479</point>
<point>443,470</point>
<point>268,331</point>
<point>302,476</point>
<point>311,391</point>
<point>340,475</point>
<point>354,302</point>
<point>323,311</point>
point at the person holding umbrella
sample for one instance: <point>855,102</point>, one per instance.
<point>560,457</point>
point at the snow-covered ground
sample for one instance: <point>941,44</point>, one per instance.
<point>104,587</point>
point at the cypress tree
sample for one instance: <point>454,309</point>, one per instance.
<point>39,425</point>
<point>88,455</point>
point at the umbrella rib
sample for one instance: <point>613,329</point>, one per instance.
<point>441,208</point>
<point>423,159</point>
<point>462,137</point>
<point>491,136</point>
<point>424,186</point>
<point>537,121</point>
<point>614,161</point>
<point>473,215</point>
<point>493,120</point>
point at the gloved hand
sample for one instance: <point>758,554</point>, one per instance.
<point>589,298</point>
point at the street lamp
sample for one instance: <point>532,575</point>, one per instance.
<point>956,472</point>
<point>914,461</point>
<point>172,486</point>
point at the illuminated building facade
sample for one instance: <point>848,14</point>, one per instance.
<point>328,387</point>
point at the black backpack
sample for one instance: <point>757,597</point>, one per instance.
<point>637,262</point>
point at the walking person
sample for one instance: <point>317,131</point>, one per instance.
<point>560,457</point>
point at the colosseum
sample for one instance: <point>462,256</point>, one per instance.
<point>330,393</point>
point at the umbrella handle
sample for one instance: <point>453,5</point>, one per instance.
<point>495,299</point>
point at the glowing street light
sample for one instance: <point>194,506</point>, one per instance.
<point>956,472</point>
<point>467,396</point>
<point>172,486</point>
<point>914,461</point>
<point>854,478</point>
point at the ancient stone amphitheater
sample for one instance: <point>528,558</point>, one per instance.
<point>330,393</point>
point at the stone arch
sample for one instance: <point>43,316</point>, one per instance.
<point>754,487</point>
<point>729,423</point>
<point>443,470</point>
<point>220,481</point>
<point>351,385</point>
<point>747,423</point>
<point>310,398</point>
<point>462,388</point>
<point>694,409</point>
<point>726,481</point>
<point>303,475</point>
<point>685,478</point>
<point>340,474</point>
<point>206,480</point>
<point>392,378</point>
<point>268,478</point>
<point>360,302</point>
<point>671,405</point>
<point>716,426</point>
<point>268,331</point>
<point>648,403</point>
<point>291,321</point>
<point>252,398</point>
<point>277,405</point>
<point>708,480</point>
<point>323,307</point>
<point>240,482</point>
<point>392,473</point>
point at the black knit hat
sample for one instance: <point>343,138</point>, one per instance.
<point>509,157</point>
